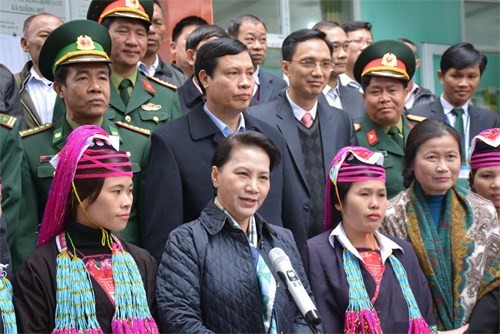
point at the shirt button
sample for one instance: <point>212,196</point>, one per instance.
<point>128,119</point>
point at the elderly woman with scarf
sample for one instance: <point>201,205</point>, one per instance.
<point>455,233</point>
<point>82,278</point>
<point>364,281</point>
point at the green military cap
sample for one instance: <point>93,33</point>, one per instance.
<point>387,58</point>
<point>79,41</point>
<point>134,9</point>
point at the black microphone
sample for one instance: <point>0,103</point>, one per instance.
<point>283,266</point>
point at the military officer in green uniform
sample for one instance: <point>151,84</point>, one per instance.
<point>11,155</point>
<point>384,69</point>
<point>136,99</point>
<point>75,57</point>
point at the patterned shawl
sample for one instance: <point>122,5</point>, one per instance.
<point>460,259</point>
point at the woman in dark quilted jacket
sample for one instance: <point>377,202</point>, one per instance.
<point>215,274</point>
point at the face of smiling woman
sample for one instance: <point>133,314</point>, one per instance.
<point>242,183</point>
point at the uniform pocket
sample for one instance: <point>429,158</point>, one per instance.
<point>45,171</point>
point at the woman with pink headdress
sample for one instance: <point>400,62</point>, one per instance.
<point>485,166</point>
<point>82,278</point>
<point>364,281</point>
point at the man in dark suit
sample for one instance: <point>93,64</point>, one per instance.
<point>338,95</point>
<point>190,94</point>
<point>252,32</point>
<point>179,185</point>
<point>460,73</point>
<point>313,130</point>
<point>152,64</point>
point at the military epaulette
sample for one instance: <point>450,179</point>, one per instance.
<point>357,127</point>
<point>134,128</point>
<point>7,121</point>
<point>38,129</point>
<point>161,82</point>
<point>416,118</point>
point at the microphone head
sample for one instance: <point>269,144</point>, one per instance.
<point>279,258</point>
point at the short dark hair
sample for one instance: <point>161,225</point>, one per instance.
<point>356,25</point>
<point>186,22</point>
<point>326,25</point>
<point>207,57</point>
<point>462,55</point>
<point>27,22</point>
<point>295,38</point>
<point>421,133</point>
<point>413,47</point>
<point>203,33</point>
<point>365,81</point>
<point>222,153</point>
<point>234,26</point>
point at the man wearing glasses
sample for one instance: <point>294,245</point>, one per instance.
<point>359,36</point>
<point>337,95</point>
<point>313,130</point>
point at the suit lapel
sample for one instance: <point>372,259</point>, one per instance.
<point>28,104</point>
<point>438,111</point>
<point>327,126</point>
<point>287,125</point>
<point>475,122</point>
<point>201,126</point>
<point>265,86</point>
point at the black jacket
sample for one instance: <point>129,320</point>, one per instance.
<point>179,185</point>
<point>207,282</point>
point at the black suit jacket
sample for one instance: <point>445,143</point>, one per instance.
<point>168,74</point>
<point>336,132</point>
<point>189,96</point>
<point>179,184</point>
<point>270,88</point>
<point>480,118</point>
<point>352,102</point>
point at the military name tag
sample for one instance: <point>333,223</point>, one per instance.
<point>45,158</point>
<point>151,107</point>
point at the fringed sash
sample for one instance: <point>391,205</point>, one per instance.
<point>6,306</point>
<point>76,310</point>
<point>361,316</point>
<point>445,254</point>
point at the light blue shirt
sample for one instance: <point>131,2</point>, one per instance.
<point>223,127</point>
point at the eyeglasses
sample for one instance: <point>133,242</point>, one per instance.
<point>361,42</point>
<point>325,65</point>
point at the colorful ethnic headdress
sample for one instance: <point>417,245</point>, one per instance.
<point>485,149</point>
<point>351,164</point>
<point>90,153</point>
<point>356,164</point>
<point>87,154</point>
